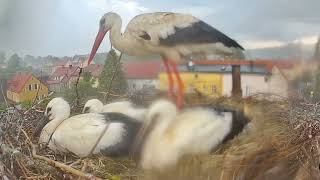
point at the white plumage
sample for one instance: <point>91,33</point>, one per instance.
<point>59,113</point>
<point>124,107</point>
<point>79,134</point>
<point>174,134</point>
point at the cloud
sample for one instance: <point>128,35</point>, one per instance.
<point>67,27</point>
<point>309,40</point>
<point>59,27</point>
<point>4,11</point>
<point>282,20</point>
<point>257,44</point>
<point>262,44</point>
<point>127,9</point>
<point>197,11</point>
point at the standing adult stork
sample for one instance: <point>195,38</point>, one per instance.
<point>170,35</point>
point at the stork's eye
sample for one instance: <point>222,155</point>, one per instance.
<point>155,117</point>
<point>48,110</point>
<point>102,21</point>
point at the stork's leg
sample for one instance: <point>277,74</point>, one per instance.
<point>180,95</point>
<point>170,79</point>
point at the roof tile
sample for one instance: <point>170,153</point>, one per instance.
<point>141,69</point>
<point>18,81</point>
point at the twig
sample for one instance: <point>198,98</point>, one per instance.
<point>4,97</point>
<point>58,164</point>
<point>77,91</point>
<point>39,102</point>
<point>99,139</point>
<point>108,91</point>
<point>112,94</point>
<point>113,76</point>
<point>63,166</point>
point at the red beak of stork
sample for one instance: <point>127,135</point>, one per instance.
<point>102,32</point>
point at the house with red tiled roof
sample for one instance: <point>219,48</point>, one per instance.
<point>62,78</point>
<point>65,77</point>
<point>95,71</point>
<point>65,63</point>
<point>24,87</point>
<point>214,77</point>
<point>142,74</point>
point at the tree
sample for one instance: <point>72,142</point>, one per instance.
<point>14,62</point>
<point>28,59</point>
<point>304,83</point>
<point>85,89</point>
<point>316,55</point>
<point>87,77</point>
<point>2,57</point>
<point>112,65</point>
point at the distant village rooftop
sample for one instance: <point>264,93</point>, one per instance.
<point>142,69</point>
<point>18,81</point>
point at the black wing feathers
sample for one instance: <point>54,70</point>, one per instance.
<point>198,32</point>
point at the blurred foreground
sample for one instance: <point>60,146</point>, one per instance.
<point>280,143</point>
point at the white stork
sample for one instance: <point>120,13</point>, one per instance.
<point>168,134</point>
<point>78,134</point>
<point>123,107</point>
<point>171,35</point>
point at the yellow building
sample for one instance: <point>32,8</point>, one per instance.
<point>214,77</point>
<point>210,84</point>
<point>25,88</point>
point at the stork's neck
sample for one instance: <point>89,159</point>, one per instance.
<point>138,113</point>
<point>97,108</point>
<point>50,128</point>
<point>116,38</point>
<point>162,125</point>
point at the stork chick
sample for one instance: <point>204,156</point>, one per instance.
<point>124,107</point>
<point>169,134</point>
<point>78,134</point>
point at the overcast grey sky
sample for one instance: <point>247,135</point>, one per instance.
<point>68,27</point>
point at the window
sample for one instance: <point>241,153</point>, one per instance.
<point>266,78</point>
<point>190,66</point>
<point>30,87</point>
<point>35,86</point>
<point>214,89</point>
<point>247,91</point>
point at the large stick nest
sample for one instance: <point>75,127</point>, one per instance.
<point>282,141</point>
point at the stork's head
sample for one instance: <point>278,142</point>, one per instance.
<point>161,109</point>
<point>93,106</point>
<point>57,108</point>
<point>106,23</point>
<point>160,112</point>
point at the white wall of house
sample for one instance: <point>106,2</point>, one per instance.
<point>258,83</point>
<point>278,83</point>
<point>95,81</point>
<point>138,84</point>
